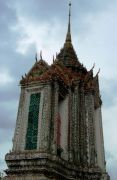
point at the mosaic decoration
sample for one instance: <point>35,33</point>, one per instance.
<point>32,131</point>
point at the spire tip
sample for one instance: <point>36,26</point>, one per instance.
<point>68,37</point>
<point>69,3</point>
<point>70,8</point>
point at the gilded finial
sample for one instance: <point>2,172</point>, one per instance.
<point>36,58</point>
<point>69,8</point>
<point>97,73</point>
<point>92,67</point>
<point>56,55</point>
<point>68,37</point>
<point>53,59</point>
<point>41,55</point>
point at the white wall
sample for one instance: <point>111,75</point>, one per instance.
<point>99,139</point>
<point>22,117</point>
<point>63,110</point>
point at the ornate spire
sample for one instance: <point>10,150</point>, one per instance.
<point>68,37</point>
<point>67,54</point>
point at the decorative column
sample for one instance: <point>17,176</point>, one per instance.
<point>21,124</point>
<point>87,134</point>
<point>48,117</point>
<point>77,122</point>
<point>82,127</point>
<point>45,120</point>
<point>55,116</point>
<point>89,103</point>
<point>75,129</point>
<point>19,117</point>
<point>70,155</point>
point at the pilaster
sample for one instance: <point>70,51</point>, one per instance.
<point>75,122</point>
<point>45,120</point>
<point>18,121</point>
<point>70,155</point>
<point>91,147</point>
<point>82,128</point>
<point>55,116</point>
<point>22,119</point>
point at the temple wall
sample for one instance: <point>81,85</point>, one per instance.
<point>22,117</point>
<point>90,130</point>
<point>44,119</point>
<point>75,125</point>
<point>54,109</point>
<point>21,124</point>
<point>99,139</point>
<point>63,110</point>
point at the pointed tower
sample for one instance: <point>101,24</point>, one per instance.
<point>67,54</point>
<point>58,134</point>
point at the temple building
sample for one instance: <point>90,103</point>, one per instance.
<point>58,134</point>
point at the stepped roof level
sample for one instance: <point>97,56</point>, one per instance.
<point>66,62</point>
<point>66,68</point>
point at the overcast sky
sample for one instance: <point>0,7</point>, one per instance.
<point>29,26</point>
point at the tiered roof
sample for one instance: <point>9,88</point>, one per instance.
<point>66,69</point>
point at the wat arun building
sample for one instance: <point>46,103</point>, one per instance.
<point>58,134</point>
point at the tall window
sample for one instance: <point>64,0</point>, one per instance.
<point>32,130</point>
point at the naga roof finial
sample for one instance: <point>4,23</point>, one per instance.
<point>53,59</point>
<point>41,54</point>
<point>36,58</point>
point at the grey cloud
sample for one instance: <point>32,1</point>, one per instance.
<point>6,121</point>
<point>112,169</point>
<point>16,63</point>
<point>6,136</point>
<point>9,58</point>
<point>1,163</point>
<point>48,11</point>
<point>109,156</point>
<point>39,12</point>
<point>7,19</point>
<point>108,91</point>
<point>8,113</point>
<point>111,165</point>
<point>7,94</point>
